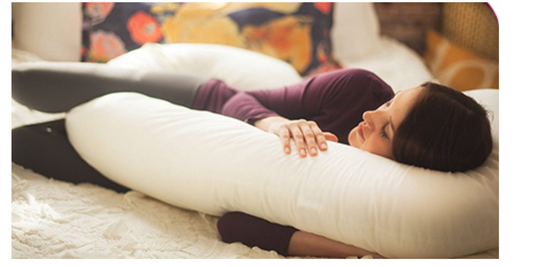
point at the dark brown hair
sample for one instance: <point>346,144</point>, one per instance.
<point>445,130</point>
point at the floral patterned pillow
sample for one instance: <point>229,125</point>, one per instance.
<point>295,32</point>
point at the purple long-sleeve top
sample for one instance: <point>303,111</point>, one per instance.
<point>335,100</point>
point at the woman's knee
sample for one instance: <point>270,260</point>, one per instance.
<point>19,144</point>
<point>32,144</point>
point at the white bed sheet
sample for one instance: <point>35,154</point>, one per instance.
<point>56,219</point>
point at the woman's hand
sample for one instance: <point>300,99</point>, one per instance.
<point>308,244</point>
<point>307,136</point>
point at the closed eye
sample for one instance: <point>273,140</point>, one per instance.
<point>386,104</point>
<point>383,133</point>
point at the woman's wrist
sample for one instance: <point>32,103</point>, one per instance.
<point>270,124</point>
<point>308,244</point>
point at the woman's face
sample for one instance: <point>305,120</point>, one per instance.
<point>376,132</point>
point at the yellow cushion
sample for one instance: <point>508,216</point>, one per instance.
<point>457,67</point>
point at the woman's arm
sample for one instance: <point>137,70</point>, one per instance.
<point>308,244</point>
<point>286,240</point>
<point>335,100</point>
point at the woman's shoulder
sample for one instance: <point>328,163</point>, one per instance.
<point>357,82</point>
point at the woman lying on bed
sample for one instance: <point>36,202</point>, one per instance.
<point>429,126</point>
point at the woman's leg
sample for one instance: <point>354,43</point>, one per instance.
<point>59,86</point>
<point>45,149</point>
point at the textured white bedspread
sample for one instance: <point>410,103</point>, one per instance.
<point>55,219</point>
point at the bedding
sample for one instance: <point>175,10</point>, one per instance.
<point>55,219</point>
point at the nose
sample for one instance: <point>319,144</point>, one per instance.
<point>369,117</point>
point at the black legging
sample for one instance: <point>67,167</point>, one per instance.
<point>58,87</point>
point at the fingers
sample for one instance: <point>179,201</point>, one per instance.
<point>298,137</point>
<point>331,137</point>
<point>285,137</point>
<point>319,136</point>
<point>307,136</point>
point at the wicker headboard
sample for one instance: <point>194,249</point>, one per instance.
<point>408,22</point>
<point>470,25</point>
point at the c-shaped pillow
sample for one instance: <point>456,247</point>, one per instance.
<point>214,164</point>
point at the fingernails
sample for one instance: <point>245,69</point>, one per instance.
<point>287,150</point>
<point>302,152</point>
<point>313,151</point>
<point>324,146</point>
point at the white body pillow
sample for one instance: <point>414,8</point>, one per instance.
<point>214,164</point>
<point>240,68</point>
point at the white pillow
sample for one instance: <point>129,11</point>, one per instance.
<point>52,31</point>
<point>214,164</point>
<point>240,68</point>
<point>355,32</point>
